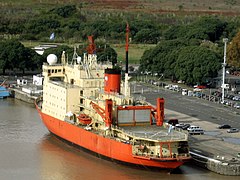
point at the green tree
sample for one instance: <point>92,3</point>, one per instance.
<point>147,36</point>
<point>3,57</point>
<point>15,56</point>
<point>174,32</point>
<point>181,59</point>
<point>233,52</point>
<point>41,24</point>
<point>159,59</point>
<point>207,27</point>
<point>107,54</point>
<point>196,64</point>
<point>65,11</point>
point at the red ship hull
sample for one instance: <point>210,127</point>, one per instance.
<point>103,146</point>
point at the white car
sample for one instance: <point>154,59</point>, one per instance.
<point>233,130</point>
<point>195,130</point>
<point>192,130</point>
<point>197,90</point>
<point>166,87</point>
<point>180,125</point>
<point>184,92</point>
<point>236,98</point>
<point>237,105</point>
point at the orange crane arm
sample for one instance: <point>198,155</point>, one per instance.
<point>105,114</point>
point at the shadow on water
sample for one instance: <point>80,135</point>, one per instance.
<point>74,162</point>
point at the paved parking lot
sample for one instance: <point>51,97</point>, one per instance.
<point>194,107</point>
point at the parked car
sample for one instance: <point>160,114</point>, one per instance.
<point>180,125</point>
<point>217,93</point>
<point>233,130</point>
<point>192,127</point>
<point>192,130</point>
<point>236,98</point>
<point>224,126</point>
<point>173,121</point>
<point>237,105</point>
<point>186,126</point>
<point>197,94</point>
<point>197,90</point>
<point>168,86</point>
<point>230,96</point>
<point>196,131</point>
<point>200,86</point>
<point>225,102</point>
<point>184,92</point>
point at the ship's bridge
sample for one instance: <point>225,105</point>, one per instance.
<point>56,70</point>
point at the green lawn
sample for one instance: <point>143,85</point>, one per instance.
<point>135,51</point>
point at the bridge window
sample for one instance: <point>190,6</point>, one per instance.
<point>81,101</point>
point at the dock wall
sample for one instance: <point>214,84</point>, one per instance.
<point>18,94</point>
<point>231,168</point>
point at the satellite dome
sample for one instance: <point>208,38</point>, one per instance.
<point>52,59</point>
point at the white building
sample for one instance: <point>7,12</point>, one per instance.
<point>38,80</point>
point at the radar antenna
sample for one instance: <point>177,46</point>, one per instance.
<point>75,56</point>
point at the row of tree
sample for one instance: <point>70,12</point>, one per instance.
<point>188,49</point>
<point>182,59</point>
<point>72,22</point>
<point>187,56</point>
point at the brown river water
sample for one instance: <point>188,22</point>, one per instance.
<point>29,152</point>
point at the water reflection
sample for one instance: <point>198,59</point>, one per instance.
<point>62,161</point>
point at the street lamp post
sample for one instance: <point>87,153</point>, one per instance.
<point>225,40</point>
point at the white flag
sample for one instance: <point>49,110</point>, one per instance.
<point>170,128</point>
<point>52,36</point>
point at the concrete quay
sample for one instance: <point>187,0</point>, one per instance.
<point>20,95</point>
<point>216,149</point>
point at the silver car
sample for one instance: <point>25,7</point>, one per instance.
<point>233,130</point>
<point>237,105</point>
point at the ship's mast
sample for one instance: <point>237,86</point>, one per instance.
<point>126,73</point>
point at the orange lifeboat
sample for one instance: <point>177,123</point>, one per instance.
<point>84,119</point>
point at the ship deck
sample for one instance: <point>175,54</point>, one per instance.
<point>155,133</point>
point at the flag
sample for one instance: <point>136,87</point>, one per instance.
<point>170,128</point>
<point>52,36</point>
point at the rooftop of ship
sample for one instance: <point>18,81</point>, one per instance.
<point>154,132</point>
